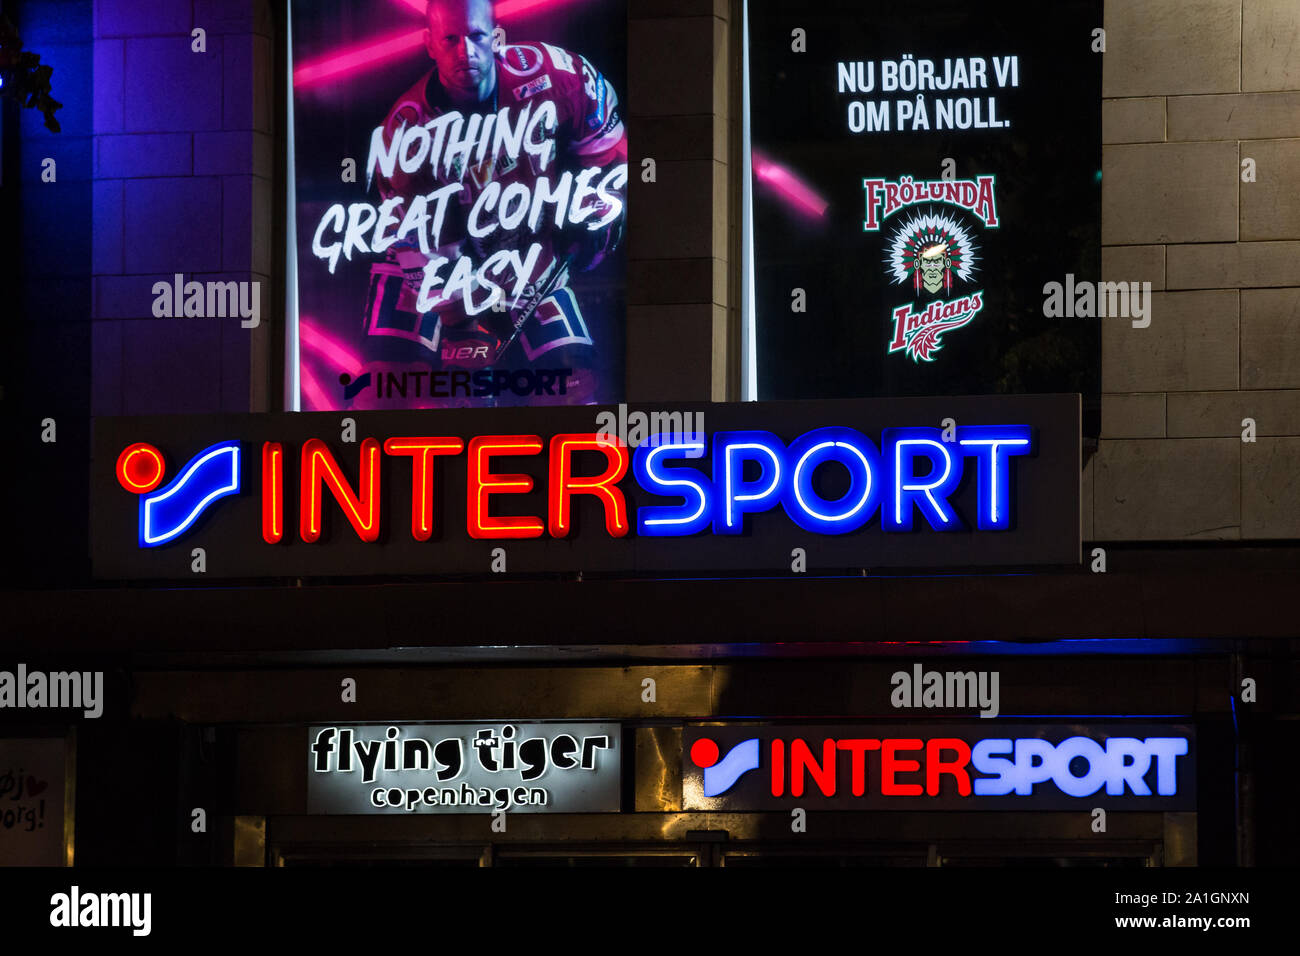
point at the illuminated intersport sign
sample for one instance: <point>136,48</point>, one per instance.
<point>855,484</point>
<point>484,767</point>
<point>1002,767</point>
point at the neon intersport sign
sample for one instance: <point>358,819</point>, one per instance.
<point>916,482</point>
<point>998,767</point>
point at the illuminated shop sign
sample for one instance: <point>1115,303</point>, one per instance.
<point>483,767</point>
<point>913,184</point>
<point>401,490</point>
<point>938,767</point>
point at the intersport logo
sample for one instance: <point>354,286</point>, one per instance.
<point>951,767</point>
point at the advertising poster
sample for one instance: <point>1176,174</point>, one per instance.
<point>919,175</point>
<point>31,801</point>
<point>460,174</point>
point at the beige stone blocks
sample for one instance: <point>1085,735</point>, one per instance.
<point>1220,414</point>
<point>1190,344</point>
<point>1270,206</point>
<point>1238,116</point>
<point>1270,339</point>
<point>1157,489</point>
<point>1270,45</point>
<point>1191,89</point>
<point>1270,488</point>
<point>1233,265</point>
<point>1086,532</point>
<point>1167,47</point>
<point>1137,120</point>
<point>1170,192</point>
<point>1134,264</point>
<point>1134,415</point>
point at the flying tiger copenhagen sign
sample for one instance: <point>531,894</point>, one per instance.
<point>486,767</point>
<point>987,481</point>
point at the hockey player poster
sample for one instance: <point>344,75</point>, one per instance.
<point>460,171</point>
<point>920,174</point>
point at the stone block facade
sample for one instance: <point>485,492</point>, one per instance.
<point>183,167</point>
<point>1201,197</point>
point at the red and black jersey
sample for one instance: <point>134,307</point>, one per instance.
<point>588,133</point>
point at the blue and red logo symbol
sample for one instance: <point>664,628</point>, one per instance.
<point>167,513</point>
<point>720,775</point>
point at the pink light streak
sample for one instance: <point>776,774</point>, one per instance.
<point>369,54</point>
<point>786,185</point>
<point>504,10</point>
<point>319,341</point>
<point>312,391</point>
<point>357,58</point>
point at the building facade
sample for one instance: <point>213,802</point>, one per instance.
<point>1171,624</point>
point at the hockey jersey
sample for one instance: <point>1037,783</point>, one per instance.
<point>588,132</point>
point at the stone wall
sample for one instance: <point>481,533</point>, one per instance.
<point>182,167</point>
<point>1191,90</point>
<point>679,90</point>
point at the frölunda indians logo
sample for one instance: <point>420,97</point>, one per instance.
<point>930,250</point>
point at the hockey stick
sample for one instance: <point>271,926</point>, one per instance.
<point>561,271</point>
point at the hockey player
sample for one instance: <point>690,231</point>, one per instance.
<point>474,71</point>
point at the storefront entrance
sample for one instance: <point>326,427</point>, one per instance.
<point>1135,854</point>
<point>1149,842</point>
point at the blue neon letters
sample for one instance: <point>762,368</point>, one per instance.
<point>1122,761</point>
<point>914,470</point>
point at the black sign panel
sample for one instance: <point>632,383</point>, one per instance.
<point>987,765</point>
<point>253,515</point>
<point>920,174</point>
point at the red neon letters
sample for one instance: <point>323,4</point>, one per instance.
<point>822,769</point>
<point>272,492</point>
<point>482,484</point>
<point>563,484</point>
<point>361,509</point>
<point>361,503</point>
<point>421,452</point>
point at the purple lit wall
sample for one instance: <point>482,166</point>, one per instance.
<point>164,164</point>
<point>182,166</point>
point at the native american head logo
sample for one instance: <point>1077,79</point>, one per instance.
<point>930,249</point>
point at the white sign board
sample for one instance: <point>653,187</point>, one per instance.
<point>480,767</point>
